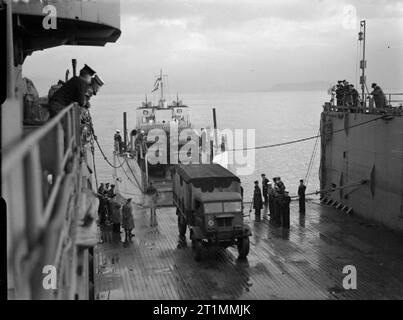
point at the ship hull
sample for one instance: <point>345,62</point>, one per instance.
<point>362,160</point>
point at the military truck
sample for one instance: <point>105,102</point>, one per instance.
<point>208,200</point>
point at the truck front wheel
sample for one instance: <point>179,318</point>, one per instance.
<point>243,247</point>
<point>196,248</point>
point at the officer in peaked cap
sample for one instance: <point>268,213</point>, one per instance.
<point>74,90</point>
<point>88,70</point>
<point>257,201</point>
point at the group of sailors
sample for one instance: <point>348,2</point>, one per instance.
<point>111,212</point>
<point>347,96</point>
<point>275,200</point>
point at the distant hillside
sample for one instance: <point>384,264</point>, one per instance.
<point>302,86</point>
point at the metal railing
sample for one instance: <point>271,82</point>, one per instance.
<point>33,171</point>
<point>394,105</point>
<point>45,149</point>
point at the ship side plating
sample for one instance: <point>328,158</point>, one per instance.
<point>362,164</point>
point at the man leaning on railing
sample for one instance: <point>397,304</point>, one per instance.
<point>74,90</point>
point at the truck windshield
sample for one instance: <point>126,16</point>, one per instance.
<point>213,207</point>
<point>234,206</point>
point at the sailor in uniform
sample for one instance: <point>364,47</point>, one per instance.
<point>379,96</point>
<point>301,196</point>
<point>74,90</point>
<point>257,201</point>
<point>117,142</point>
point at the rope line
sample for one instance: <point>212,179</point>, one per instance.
<point>362,182</point>
<point>304,139</point>
<point>128,178</point>
<point>93,164</point>
<point>105,158</point>
<point>311,161</point>
<point>135,178</point>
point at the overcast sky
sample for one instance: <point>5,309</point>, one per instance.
<point>230,45</point>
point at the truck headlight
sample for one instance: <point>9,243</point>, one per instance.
<point>210,222</point>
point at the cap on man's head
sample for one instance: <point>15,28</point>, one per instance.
<point>97,79</point>
<point>118,130</point>
<point>256,182</point>
<point>301,180</point>
<point>96,83</point>
<point>87,70</point>
<point>112,185</point>
<point>373,85</point>
<point>263,175</point>
<point>107,183</point>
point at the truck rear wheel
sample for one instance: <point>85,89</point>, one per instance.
<point>243,247</point>
<point>196,249</point>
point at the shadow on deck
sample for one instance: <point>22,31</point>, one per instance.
<point>305,262</point>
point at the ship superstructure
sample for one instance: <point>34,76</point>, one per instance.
<point>47,180</point>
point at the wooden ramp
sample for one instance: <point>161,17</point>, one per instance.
<point>305,262</point>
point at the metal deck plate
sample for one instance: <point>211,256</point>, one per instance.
<point>305,262</point>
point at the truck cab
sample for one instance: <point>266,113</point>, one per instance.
<point>209,202</point>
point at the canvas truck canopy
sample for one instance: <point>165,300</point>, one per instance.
<point>220,196</point>
<point>206,176</point>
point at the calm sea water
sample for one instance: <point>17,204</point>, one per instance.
<point>276,117</point>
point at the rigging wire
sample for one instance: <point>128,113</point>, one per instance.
<point>354,184</point>
<point>127,176</point>
<point>311,161</point>
<point>105,158</point>
<point>93,162</point>
<point>130,169</point>
<point>304,139</point>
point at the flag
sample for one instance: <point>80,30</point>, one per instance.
<point>157,84</point>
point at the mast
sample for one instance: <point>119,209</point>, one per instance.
<point>162,86</point>
<point>363,62</point>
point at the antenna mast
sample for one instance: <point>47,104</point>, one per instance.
<point>162,86</point>
<point>363,62</point>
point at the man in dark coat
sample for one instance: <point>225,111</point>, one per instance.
<point>270,192</point>
<point>127,220</point>
<point>354,96</point>
<point>257,201</point>
<point>347,94</point>
<point>101,206</point>
<point>379,96</point>
<point>73,90</point>
<point>116,215</point>
<point>265,190</point>
<point>301,195</point>
<point>285,210</point>
<point>339,93</point>
<point>118,141</point>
